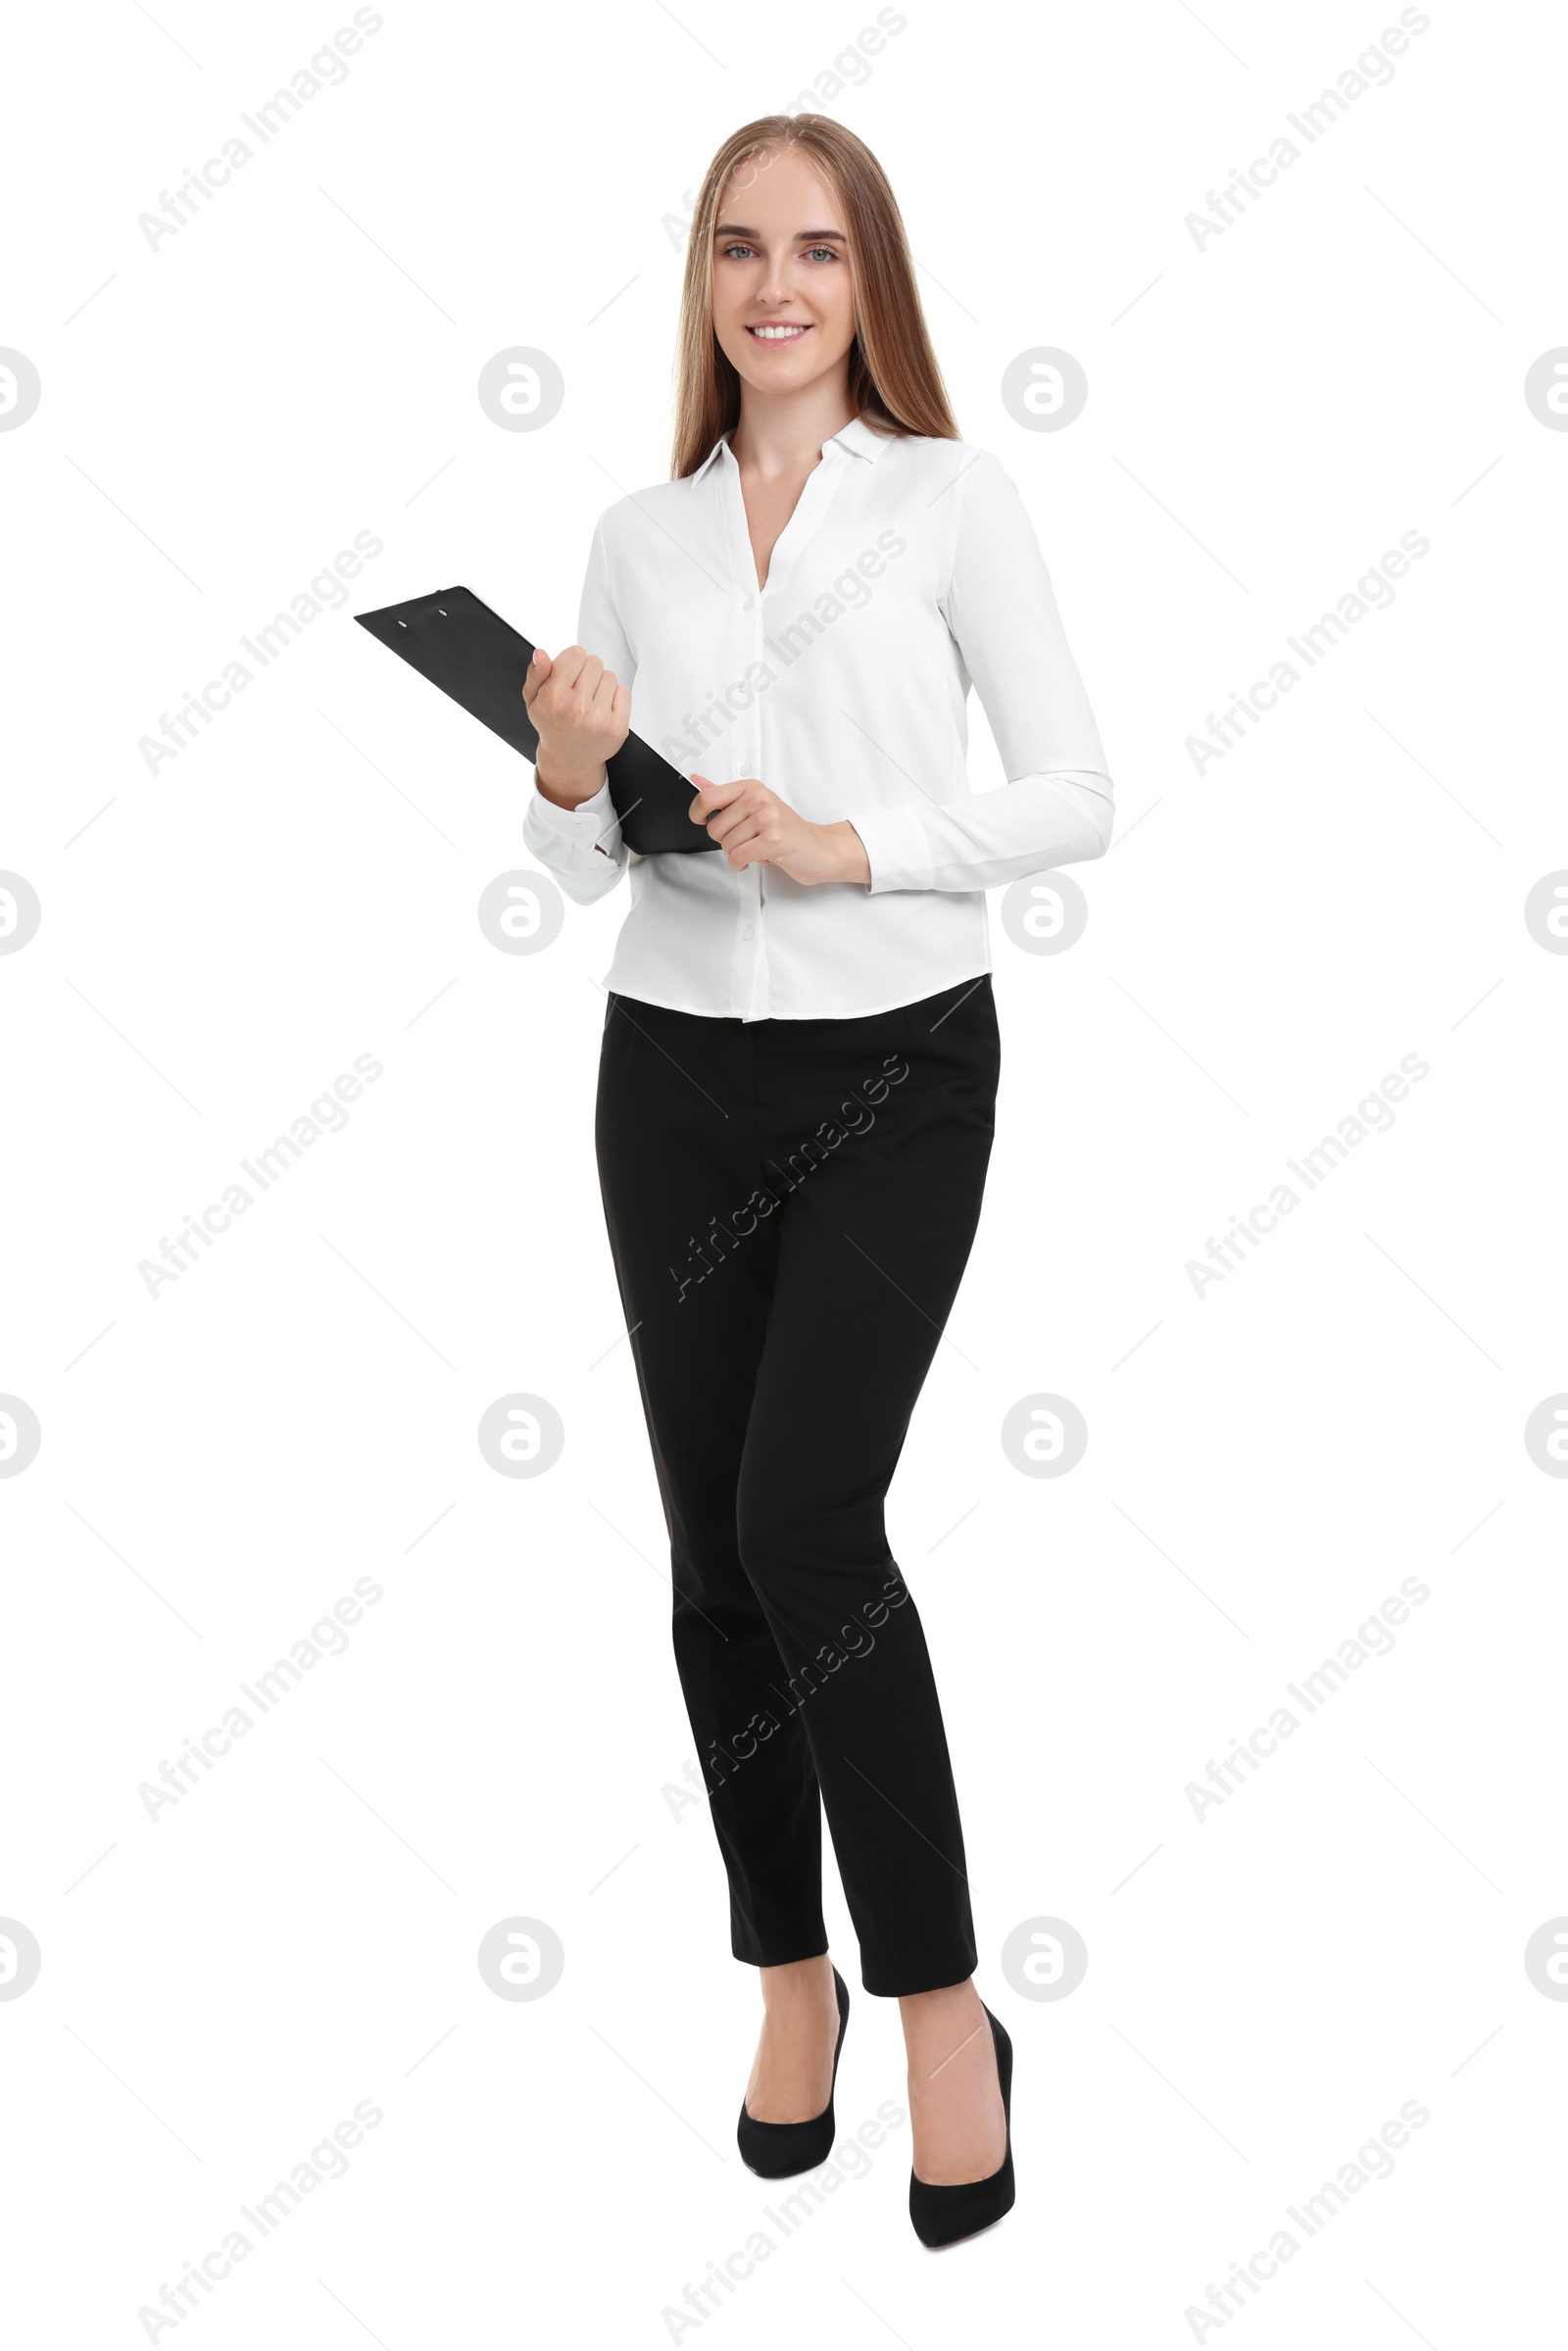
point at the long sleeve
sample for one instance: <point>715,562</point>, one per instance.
<point>1057,806</point>
<point>582,845</point>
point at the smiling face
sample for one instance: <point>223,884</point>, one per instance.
<point>783,305</point>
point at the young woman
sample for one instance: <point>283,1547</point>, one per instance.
<point>799,1069</point>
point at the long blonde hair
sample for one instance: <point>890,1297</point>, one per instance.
<point>894,378</point>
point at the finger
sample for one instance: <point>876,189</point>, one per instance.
<point>724,793</point>
<point>537,671</point>
<point>711,795</point>
<point>568,667</point>
<point>740,819</point>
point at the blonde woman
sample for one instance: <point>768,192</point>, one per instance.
<point>798,1070</point>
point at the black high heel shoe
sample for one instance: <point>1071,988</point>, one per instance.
<point>775,2150</point>
<point>941,2216</point>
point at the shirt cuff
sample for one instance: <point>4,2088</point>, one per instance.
<point>592,821</point>
<point>895,846</point>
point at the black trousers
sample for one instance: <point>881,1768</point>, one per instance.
<point>791,1204</point>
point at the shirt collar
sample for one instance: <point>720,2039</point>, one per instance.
<point>857,437</point>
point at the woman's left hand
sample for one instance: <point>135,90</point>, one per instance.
<point>754,827</point>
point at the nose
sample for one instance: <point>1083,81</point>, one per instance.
<point>775,289</point>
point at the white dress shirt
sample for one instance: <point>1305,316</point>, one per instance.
<point>908,569</point>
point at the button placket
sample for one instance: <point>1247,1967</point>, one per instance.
<point>750,965</point>
<point>756,929</point>
<point>744,639</point>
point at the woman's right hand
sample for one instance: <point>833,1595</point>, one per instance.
<point>582,716</point>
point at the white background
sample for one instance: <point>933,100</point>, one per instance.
<point>1266,1986</point>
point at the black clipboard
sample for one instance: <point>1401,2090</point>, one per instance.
<point>479,660</point>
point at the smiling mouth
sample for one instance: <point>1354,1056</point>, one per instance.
<point>777,334</point>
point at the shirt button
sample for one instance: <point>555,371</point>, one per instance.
<point>747,603</point>
<point>747,932</point>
